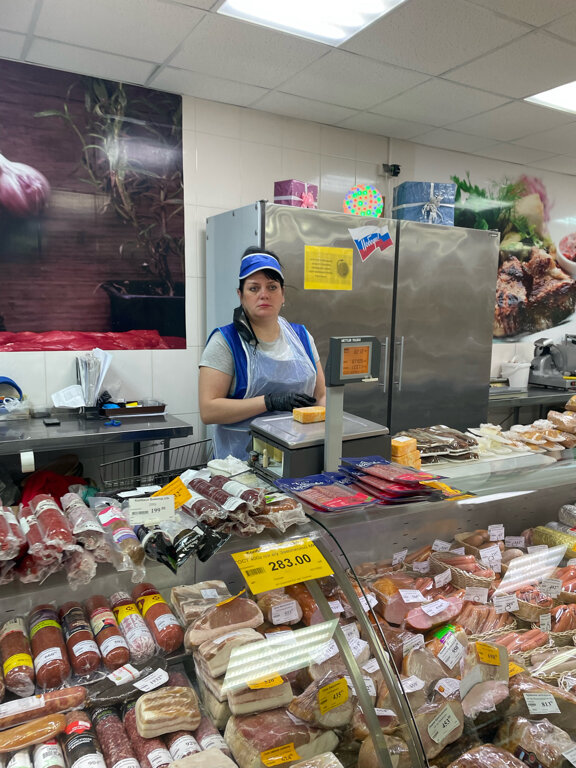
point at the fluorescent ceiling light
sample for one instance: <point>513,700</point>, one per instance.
<point>563,98</point>
<point>327,21</point>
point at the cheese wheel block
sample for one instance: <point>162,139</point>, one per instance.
<point>309,414</point>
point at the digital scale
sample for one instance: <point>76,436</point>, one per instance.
<point>283,447</point>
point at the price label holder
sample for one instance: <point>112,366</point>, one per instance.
<point>443,578</point>
<point>269,568</point>
<point>488,654</point>
<point>399,557</point>
<point>421,566</point>
<point>279,755</point>
<point>439,545</point>
<point>570,755</point>
<point>332,695</point>
<point>476,594</point>
<point>505,603</point>
<point>151,511</point>
<point>177,489</point>
<point>443,724</point>
<point>551,587</point>
<point>412,596</point>
<point>541,704</point>
<point>433,609</point>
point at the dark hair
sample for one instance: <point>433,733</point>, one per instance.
<point>271,274</point>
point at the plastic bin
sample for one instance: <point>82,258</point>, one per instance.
<point>517,374</point>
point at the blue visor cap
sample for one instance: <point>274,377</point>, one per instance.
<point>256,262</point>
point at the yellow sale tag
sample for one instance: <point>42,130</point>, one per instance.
<point>288,563</point>
<point>488,654</point>
<point>514,669</point>
<point>177,489</point>
<point>332,695</point>
<point>447,490</point>
<point>271,682</point>
<point>279,755</point>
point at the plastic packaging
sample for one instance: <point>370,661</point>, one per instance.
<point>160,620</point>
<point>85,526</point>
<point>133,627</point>
<point>48,755</point>
<point>114,741</point>
<point>53,522</point>
<point>254,497</point>
<point>324,493</point>
<point>80,567</point>
<point>157,546</point>
<point>82,648</point>
<point>16,655</point>
<point>51,662</point>
<point>191,600</point>
<point>228,502</point>
<point>80,743</point>
<point>380,467</point>
<point>10,542</point>
<point>151,753</point>
<point>113,648</point>
<point>204,510</point>
<point>121,537</point>
<point>567,515</point>
<point>43,552</point>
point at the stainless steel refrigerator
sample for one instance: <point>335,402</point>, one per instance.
<point>429,298</point>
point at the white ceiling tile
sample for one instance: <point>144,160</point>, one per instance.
<point>206,87</point>
<point>535,63</point>
<point>305,109</point>
<point>561,140</point>
<point>385,126</point>
<point>459,142</point>
<point>434,36</point>
<point>511,153</point>
<point>87,62</point>
<point>513,121</point>
<point>565,27</point>
<point>558,164</point>
<point>438,102</point>
<point>252,54</point>
<point>350,80</point>
<point>15,15</point>
<point>11,44</point>
<point>144,29</point>
<point>535,12</point>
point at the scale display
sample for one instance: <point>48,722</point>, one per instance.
<point>352,358</point>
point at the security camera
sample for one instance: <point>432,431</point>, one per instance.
<point>391,170</point>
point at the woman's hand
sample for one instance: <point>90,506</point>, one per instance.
<point>215,405</point>
<point>287,401</point>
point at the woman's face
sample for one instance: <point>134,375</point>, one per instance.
<point>261,297</point>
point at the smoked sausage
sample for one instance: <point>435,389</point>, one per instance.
<point>161,622</point>
<point>80,743</point>
<point>113,739</point>
<point>48,648</point>
<point>82,648</point>
<point>37,706</point>
<point>133,627</point>
<point>16,657</point>
<point>151,753</point>
<point>113,647</point>
<point>34,732</point>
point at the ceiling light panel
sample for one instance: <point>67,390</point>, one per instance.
<point>326,21</point>
<point>563,98</point>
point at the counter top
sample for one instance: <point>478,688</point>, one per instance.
<point>530,396</point>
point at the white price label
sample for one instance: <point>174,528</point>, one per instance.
<point>458,551</point>
<point>326,652</point>
<point>476,594</point>
<point>399,557</point>
<point>515,542</point>
<point>447,686</point>
<point>284,613</point>
<point>336,606</point>
<point>412,596</point>
<point>124,674</point>
<point>546,622</point>
<point>371,666</point>
<point>433,609</point>
<point>414,642</point>
<point>152,510</point>
<point>444,723</point>
<point>570,755</point>
<point>209,594</point>
<point>541,704</point>
<point>155,680</point>
<point>350,631</point>
<point>412,684</point>
<point>367,604</point>
<point>357,645</point>
<point>452,652</point>
<point>368,682</point>
<point>384,712</point>
<point>505,603</point>
<point>443,578</point>
<point>492,557</point>
<point>551,587</point>
<point>496,532</point>
<point>421,566</point>
<point>440,546</point>
<point>537,548</point>
<point>285,636</point>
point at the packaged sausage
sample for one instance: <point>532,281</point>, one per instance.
<point>14,713</point>
<point>228,502</point>
<point>157,545</point>
<point>34,732</point>
<point>16,531</point>
<point>82,648</point>
<point>254,497</point>
<point>48,647</point>
<point>133,627</point>
<point>20,759</point>
<point>209,737</point>
<point>162,623</point>
<point>121,535</point>
<point>151,753</point>
<point>85,526</point>
<point>16,656</point>
<point>48,755</point>
<point>43,552</point>
<point>80,743</point>
<point>113,648</point>
<point>53,522</point>
<point>204,510</point>
<point>114,741</point>
<point>10,543</point>
<point>181,744</point>
<point>79,566</point>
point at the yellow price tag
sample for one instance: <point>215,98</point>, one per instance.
<point>271,682</point>
<point>177,489</point>
<point>284,754</point>
<point>488,654</point>
<point>229,599</point>
<point>446,489</point>
<point>332,695</point>
<point>289,563</point>
<point>514,669</point>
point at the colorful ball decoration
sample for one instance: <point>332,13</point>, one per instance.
<point>364,200</point>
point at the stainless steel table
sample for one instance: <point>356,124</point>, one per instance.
<point>544,398</point>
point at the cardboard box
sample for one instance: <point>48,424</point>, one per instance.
<point>430,202</point>
<point>297,193</point>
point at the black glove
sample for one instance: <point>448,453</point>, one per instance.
<point>286,401</point>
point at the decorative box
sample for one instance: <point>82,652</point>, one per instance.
<point>296,193</point>
<point>428,201</point>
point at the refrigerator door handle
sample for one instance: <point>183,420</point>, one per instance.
<point>400,343</point>
<point>385,358</point>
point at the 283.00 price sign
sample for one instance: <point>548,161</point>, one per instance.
<point>281,565</point>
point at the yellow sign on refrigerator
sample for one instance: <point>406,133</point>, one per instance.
<point>327,269</point>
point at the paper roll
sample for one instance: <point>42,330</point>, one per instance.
<point>27,461</point>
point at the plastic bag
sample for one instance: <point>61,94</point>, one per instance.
<point>121,537</point>
<point>85,526</point>
<point>11,537</point>
<point>53,522</point>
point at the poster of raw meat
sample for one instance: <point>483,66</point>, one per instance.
<point>91,213</point>
<point>536,284</point>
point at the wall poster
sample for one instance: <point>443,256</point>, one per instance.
<point>91,213</point>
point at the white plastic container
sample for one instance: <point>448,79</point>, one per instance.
<point>517,374</point>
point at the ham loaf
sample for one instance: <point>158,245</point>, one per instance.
<point>215,654</point>
<point>307,708</point>
<point>397,749</point>
<point>222,619</point>
<point>487,756</point>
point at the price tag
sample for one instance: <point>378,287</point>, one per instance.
<point>210,594</point>
<point>367,604</point>
<point>444,723</point>
<point>514,542</point>
<point>413,642</point>
<point>452,652</point>
<point>371,666</point>
<point>421,566</point>
<point>571,563</point>
<point>368,682</point>
<point>151,511</point>
<point>412,684</point>
<point>546,622</point>
<point>270,682</point>
<point>447,686</point>
<point>357,645</point>
<point>458,551</point>
<point>155,680</point>
<point>124,674</point>
<point>326,652</point>
<point>541,704</point>
<point>384,712</point>
<point>433,609</point>
<point>514,669</point>
<point>476,594</point>
<point>285,636</point>
<point>177,489</point>
<point>496,532</point>
<point>279,755</point>
<point>492,556</point>
<point>290,563</point>
<point>551,587</point>
<point>440,546</point>
<point>332,695</point>
<point>505,603</point>
<point>443,578</point>
<point>537,548</point>
<point>350,631</point>
<point>336,606</point>
<point>412,596</point>
<point>399,557</point>
<point>570,755</point>
<point>488,654</point>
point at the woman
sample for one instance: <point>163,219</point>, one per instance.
<point>258,363</point>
